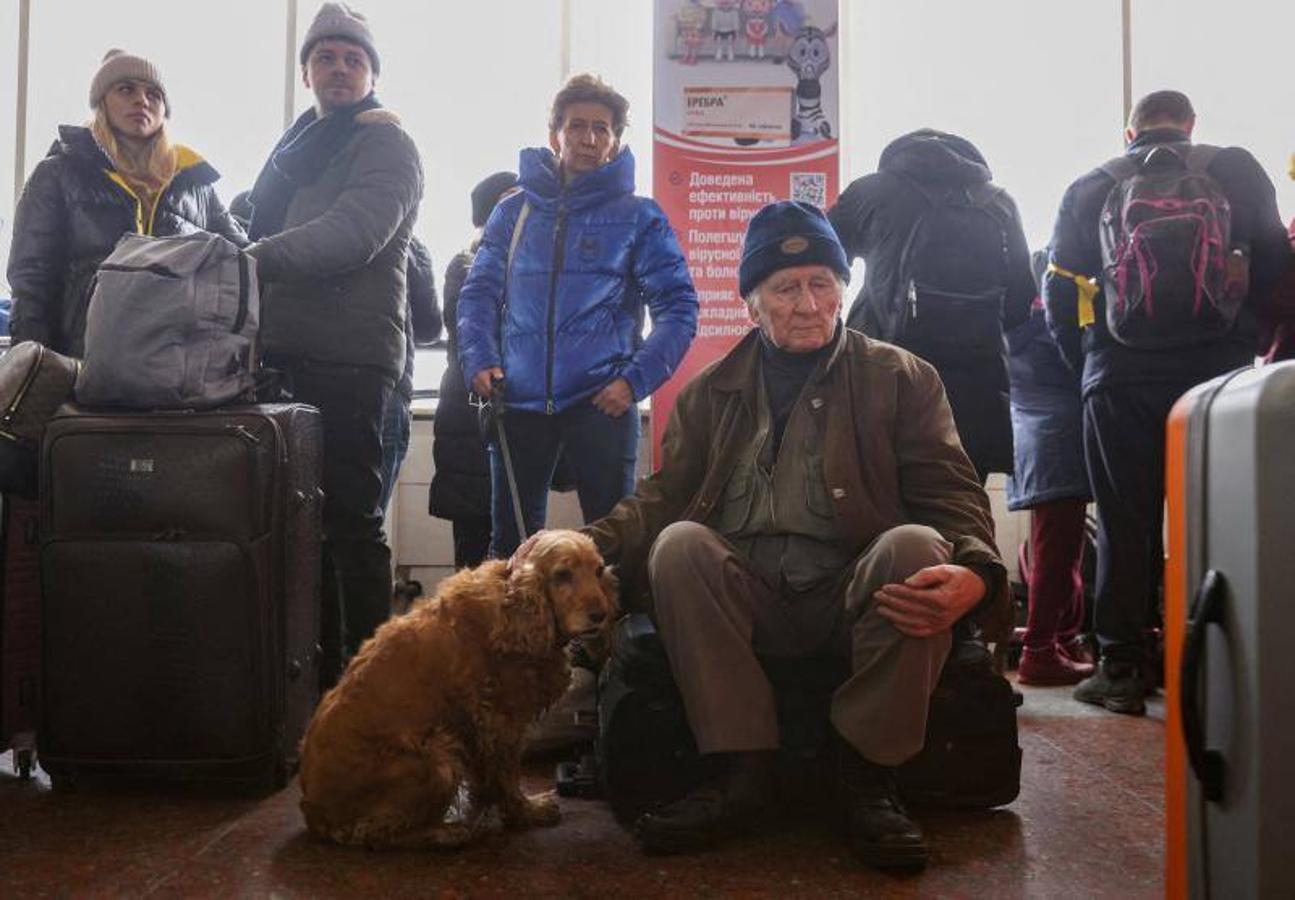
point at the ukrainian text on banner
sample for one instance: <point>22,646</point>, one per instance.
<point>745,110</point>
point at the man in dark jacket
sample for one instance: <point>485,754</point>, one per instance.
<point>333,211</point>
<point>938,238</point>
<point>1129,390</point>
<point>555,301</point>
<point>813,501</point>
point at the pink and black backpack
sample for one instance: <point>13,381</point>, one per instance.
<point>1166,238</point>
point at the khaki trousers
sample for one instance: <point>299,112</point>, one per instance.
<point>716,613</point>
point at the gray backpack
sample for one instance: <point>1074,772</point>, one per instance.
<point>172,324</point>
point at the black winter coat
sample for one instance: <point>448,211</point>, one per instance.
<point>69,218</point>
<point>1076,247</point>
<point>461,483</point>
<point>874,218</point>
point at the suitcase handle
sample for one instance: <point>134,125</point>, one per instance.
<point>1207,609</point>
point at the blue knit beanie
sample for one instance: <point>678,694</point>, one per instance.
<point>786,234</point>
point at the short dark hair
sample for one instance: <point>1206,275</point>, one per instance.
<point>586,88</point>
<point>1161,108</point>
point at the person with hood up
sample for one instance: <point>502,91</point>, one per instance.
<point>555,304</point>
<point>121,173</point>
<point>947,273</point>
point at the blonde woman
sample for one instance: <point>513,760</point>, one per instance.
<point>120,173</point>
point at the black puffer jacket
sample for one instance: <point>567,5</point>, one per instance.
<point>461,483</point>
<point>874,218</point>
<point>70,216</point>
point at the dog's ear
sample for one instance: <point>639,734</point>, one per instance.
<point>528,628</point>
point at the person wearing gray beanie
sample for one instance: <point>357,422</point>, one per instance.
<point>118,65</point>
<point>118,173</point>
<point>332,214</point>
<point>339,21</point>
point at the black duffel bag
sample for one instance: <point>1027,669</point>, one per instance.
<point>647,756</point>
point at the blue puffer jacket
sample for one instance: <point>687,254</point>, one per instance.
<point>589,257</point>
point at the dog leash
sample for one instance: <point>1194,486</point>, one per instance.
<point>497,399</point>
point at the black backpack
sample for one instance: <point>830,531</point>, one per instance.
<point>1166,243</point>
<point>953,276</point>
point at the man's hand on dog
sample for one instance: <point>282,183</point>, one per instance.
<point>524,550</point>
<point>931,599</point>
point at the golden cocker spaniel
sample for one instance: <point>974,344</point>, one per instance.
<point>440,697</point>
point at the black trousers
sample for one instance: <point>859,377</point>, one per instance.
<point>1124,447</point>
<point>471,542</point>
<point>357,561</point>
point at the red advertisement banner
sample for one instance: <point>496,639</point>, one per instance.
<point>710,196</point>
<point>745,114</point>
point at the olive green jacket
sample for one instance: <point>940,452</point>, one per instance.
<point>891,456</point>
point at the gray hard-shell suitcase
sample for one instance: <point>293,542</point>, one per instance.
<point>181,563</point>
<point>1230,617</point>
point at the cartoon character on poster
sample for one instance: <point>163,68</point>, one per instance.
<point>757,26</point>
<point>808,57</point>
<point>724,22</point>
<point>785,19</point>
<point>691,24</point>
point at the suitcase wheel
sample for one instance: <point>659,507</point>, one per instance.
<point>24,761</point>
<point>578,778</point>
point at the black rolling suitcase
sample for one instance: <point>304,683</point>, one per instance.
<point>181,565</point>
<point>19,630</point>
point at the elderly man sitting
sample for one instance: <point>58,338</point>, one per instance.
<point>813,499</point>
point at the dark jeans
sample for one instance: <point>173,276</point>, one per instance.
<point>395,443</point>
<point>1124,447</point>
<point>602,451</point>
<point>1056,607</point>
<point>357,561</point>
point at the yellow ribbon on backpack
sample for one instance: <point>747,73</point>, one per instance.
<point>1087,288</point>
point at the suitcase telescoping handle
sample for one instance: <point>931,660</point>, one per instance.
<point>1207,609</point>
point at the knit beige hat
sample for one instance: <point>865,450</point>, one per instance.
<point>118,65</point>
<point>337,20</point>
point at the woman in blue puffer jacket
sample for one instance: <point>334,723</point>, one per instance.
<point>554,303</point>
